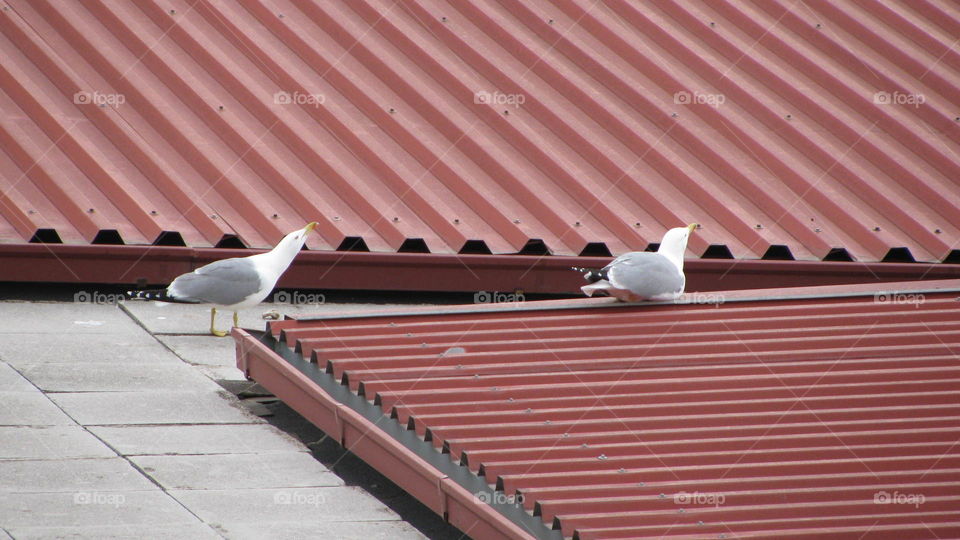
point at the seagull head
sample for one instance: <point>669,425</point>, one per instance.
<point>293,242</point>
<point>674,243</point>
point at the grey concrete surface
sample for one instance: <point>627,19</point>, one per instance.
<point>113,425</point>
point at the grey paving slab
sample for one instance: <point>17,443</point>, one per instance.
<point>328,504</point>
<point>46,442</point>
<point>371,530</point>
<point>30,409</point>
<point>203,350</point>
<point>223,373</point>
<point>64,318</point>
<point>4,535</point>
<point>91,508</point>
<point>207,439</point>
<point>237,471</point>
<point>136,347</point>
<point>195,319</point>
<point>192,531</point>
<point>110,377</point>
<point>71,475</point>
<point>12,381</point>
<point>103,408</point>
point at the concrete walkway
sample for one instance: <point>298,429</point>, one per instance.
<point>111,426</point>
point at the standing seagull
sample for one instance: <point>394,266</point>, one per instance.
<point>232,283</point>
<point>642,275</point>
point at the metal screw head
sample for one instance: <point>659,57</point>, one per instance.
<point>576,224</point>
<point>443,19</point>
<point>153,212</point>
<point>396,219</point>
<point>602,456</point>
<point>456,221</point>
<point>674,115</point>
<point>528,411</point>
<point>548,22</point>
<point>506,112</point>
<point>712,24</point>
<point>220,108</point>
<point>818,26</point>
<point>275,216</point>
<point>876,229</point>
<point>759,226</point>
<point>663,496</point>
<point>817,229</point>
<point>937,231</point>
<point>516,221</point>
<point>172,11</point>
<point>90,210</point>
<point>789,116</point>
<point>392,110</point>
<point>336,218</point>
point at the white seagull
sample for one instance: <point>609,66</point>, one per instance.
<point>232,283</point>
<point>643,275</point>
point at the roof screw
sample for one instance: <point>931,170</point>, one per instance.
<point>674,115</point>
<point>759,226</point>
<point>700,523</point>
<point>642,484</point>
<point>602,456</point>
<point>172,11</point>
<point>712,24</point>
<point>336,218</point>
<point>548,22</point>
<point>565,435</point>
<point>817,229</point>
<point>576,224</point>
<point>476,375</point>
<point>546,421</point>
<point>392,324</point>
<point>681,511</point>
<point>876,229</point>
<point>213,216</point>
<point>220,108</point>
<point>443,19</point>
<point>280,15</point>
<point>275,216</point>
<point>509,399</point>
<point>456,221</point>
<point>153,212</point>
<point>506,111</point>
<point>516,221</point>
<point>392,110</point>
<point>621,470</point>
<point>662,496</point>
<point>90,210</point>
<point>31,211</point>
<point>495,389</point>
<point>584,445</point>
<point>818,26</point>
<point>637,224</point>
<point>529,410</point>
<point>789,116</point>
<point>423,345</point>
<point>409,334</point>
<point>459,366</point>
<point>956,118</point>
<point>396,219</point>
<point>937,231</point>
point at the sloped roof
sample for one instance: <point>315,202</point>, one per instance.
<point>786,129</point>
<point>782,413</point>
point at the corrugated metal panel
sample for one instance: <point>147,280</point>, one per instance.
<point>786,129</point>
<point>828,412</point>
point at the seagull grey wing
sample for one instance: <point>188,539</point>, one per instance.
<point>225,282</point>
<point>645,274</point>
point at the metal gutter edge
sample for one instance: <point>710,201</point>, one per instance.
<point>449,489</point>
<point>62,263</point>
<point>890,290</point>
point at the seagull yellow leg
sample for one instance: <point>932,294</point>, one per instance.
<point>213,318</point>
<point>236,321</point>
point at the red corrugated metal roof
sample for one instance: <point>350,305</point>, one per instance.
<point>816,412</point>
<point>784,128</point>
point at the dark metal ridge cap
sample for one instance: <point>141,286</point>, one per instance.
<point>254,349</point>
<point>693,298</point>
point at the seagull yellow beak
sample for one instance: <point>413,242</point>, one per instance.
<point>691,227</point>
<point>310,226</point>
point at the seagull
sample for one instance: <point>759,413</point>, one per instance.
<point>642,275</point>
<point>232,283</point>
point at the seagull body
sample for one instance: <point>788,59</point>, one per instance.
<point>232,283</point>
<point>642,275</point>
